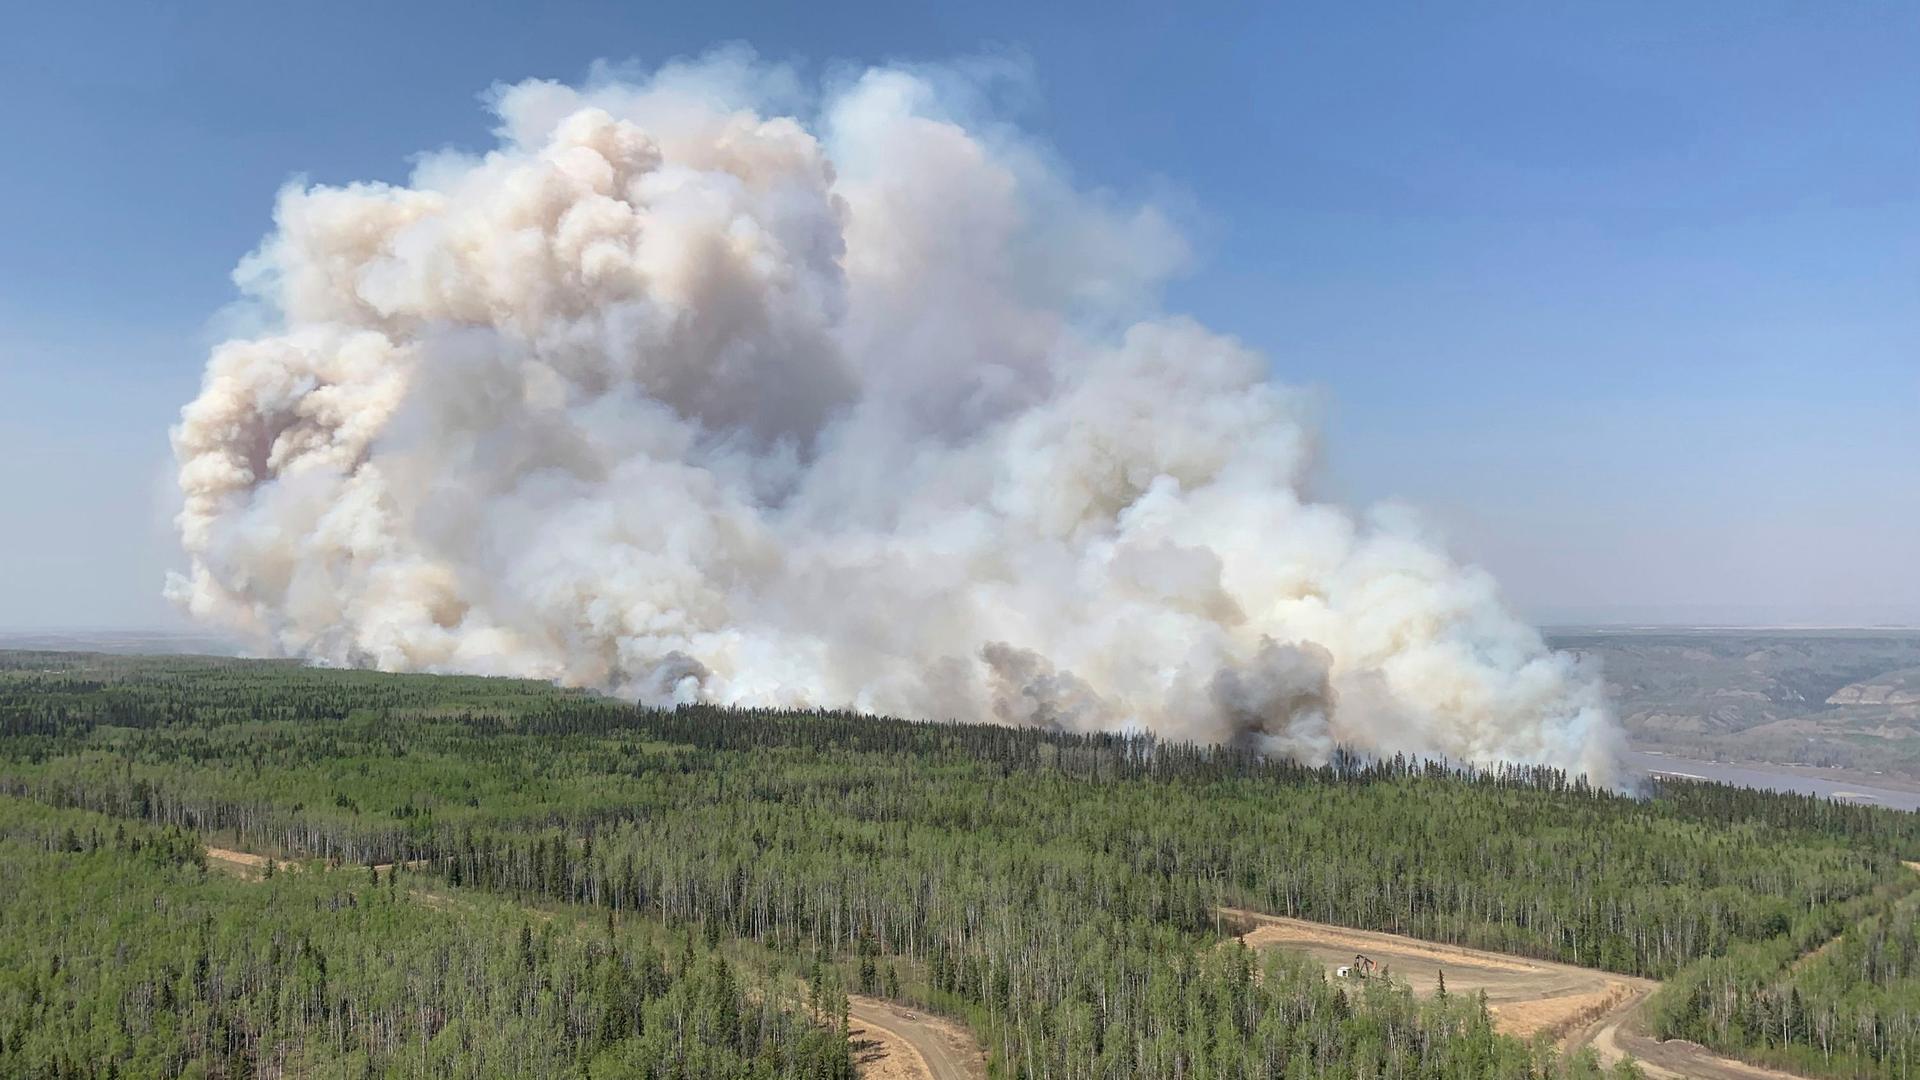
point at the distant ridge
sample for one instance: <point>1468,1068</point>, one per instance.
<point>167,642</point>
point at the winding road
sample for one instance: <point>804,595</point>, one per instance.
<point>1578,1006</point>
<point>1612,1038</point>
<point>1526,997</point>
<point>895,1043</point>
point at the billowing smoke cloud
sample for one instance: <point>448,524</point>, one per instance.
<point>683,397</point>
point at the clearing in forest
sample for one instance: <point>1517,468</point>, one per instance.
<point>895,1043</point>
<point>1524,996</point>
<point>1574,1006</point>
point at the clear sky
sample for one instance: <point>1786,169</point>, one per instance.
<point>1625,296</point>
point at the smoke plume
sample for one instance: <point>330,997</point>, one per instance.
<point>700,386</point>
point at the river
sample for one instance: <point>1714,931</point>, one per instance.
<point>1807,780</point>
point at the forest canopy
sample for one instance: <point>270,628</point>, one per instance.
<point>711,884</point>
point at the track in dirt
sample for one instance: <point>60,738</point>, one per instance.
<point>893,1043</point>
<point>1575,1006</point>
<point>1526,997</point>
<point>890,1042</point>
<point>1612,1038</point>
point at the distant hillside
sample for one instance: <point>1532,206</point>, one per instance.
<point>1848,698</point>
<point>129,642</point>
<point>1893,688</point>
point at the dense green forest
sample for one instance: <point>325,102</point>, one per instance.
<point>1057,892</point>
<point>1839,996</point>
<point>123,955</point>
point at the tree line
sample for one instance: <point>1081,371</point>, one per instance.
<point>1059,892</point>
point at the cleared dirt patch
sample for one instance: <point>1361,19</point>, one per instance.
<point>1559,1016</point>
<point>237,858</point>
<point>1614,1036</point>
<point>245,863</point>
<point>1525,997</point>
<point>881,1054</point>
<point>1573,1006</point>
<point>895,1043</point>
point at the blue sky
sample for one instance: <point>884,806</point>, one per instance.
<point>1626,297</point>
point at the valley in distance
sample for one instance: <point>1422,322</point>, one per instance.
<point>1834,712</point>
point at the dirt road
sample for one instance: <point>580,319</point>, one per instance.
<point>890,1042</point>
<point>1612,1037</point>
<point>1614,1034</point>
<point>894,1043</point>
<point>1526,997</point>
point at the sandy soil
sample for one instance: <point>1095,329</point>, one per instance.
<point>1526,997</point>
<point>245,863</point>
<point>894,1043</point>
<point>236,858</point>
<point>880,1054</point>
<point>1612,1037</point>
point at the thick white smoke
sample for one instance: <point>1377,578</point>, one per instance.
<point>680,397</point>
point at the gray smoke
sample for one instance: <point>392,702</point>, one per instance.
<point>680,396</point>
<point>1029,692</point>
<point>1281,701</point>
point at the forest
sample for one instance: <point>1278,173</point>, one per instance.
<point>1837,996</point>
<point>568,885</point>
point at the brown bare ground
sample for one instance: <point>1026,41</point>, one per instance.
<point>1527,998</point>
<point>1615,1035</point>
<point>1280,930</point>
<point>892,1042</point>
<point>881,1054</point>
<point>247,864</point>
<point>1557,1016</point>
